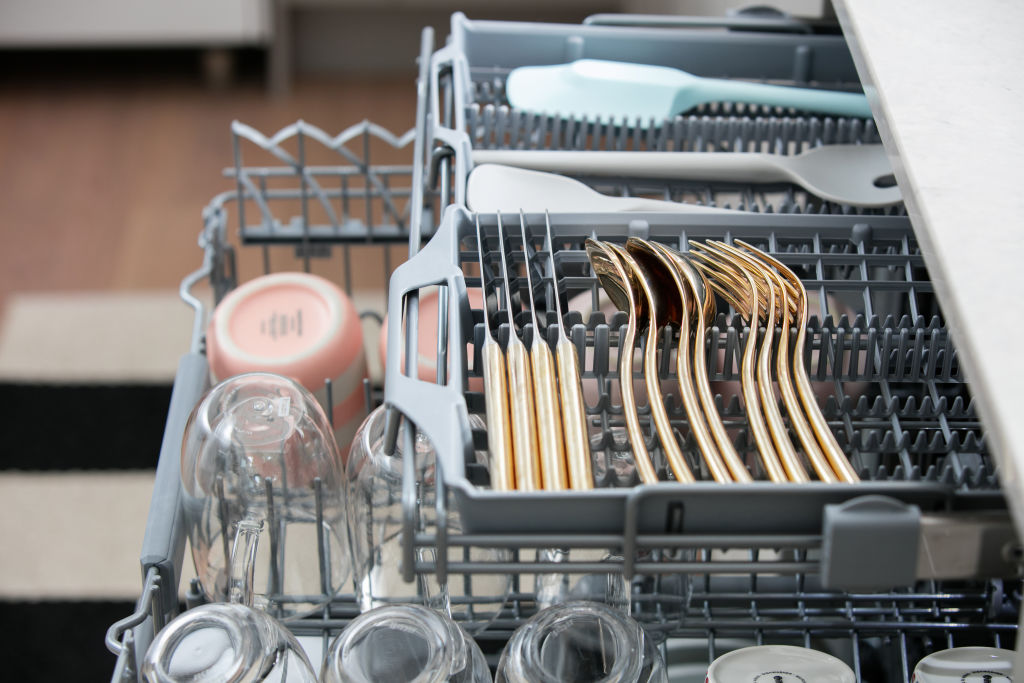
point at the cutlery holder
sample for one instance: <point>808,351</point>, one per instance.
<point>879,355</point>
<point>469,110</point>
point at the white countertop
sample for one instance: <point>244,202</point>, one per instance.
<point>946,84</point>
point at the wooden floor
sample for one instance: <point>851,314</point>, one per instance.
<point>103,176</point>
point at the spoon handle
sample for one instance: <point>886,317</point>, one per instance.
<point>752,167</point>
<point>549,418</point>
<point>806,99</point>
<point>574,416</point>
<point>499,428</point>
<point>642,457</point>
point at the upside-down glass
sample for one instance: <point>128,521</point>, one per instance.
<point>225,643</point>
<point>581,642</point>
<point>261,473</point>
<point>404,644</point>
<point>375,518</point>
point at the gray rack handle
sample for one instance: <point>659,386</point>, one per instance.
<point>437,410</point>
<point>781,23</point>
<point>163,546</point>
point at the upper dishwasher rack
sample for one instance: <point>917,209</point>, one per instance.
<point>886,372</point>
<point>468,109</point>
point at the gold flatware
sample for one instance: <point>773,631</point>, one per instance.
<point>770,408</point>
<point>570,391</point>
<point>499,426</point>
<point>554,476</point>
<point>840,463</point>
<point>525,447</point>
<point>612,274</point>
<point>656,312</point>
<point>789,398</point>
<point>725,273</point>
<point>704,311</point>
<point>673,296</point>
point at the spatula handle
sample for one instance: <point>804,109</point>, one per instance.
<point>751,167</point>
<point>823,101</point>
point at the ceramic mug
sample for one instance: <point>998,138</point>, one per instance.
<point>778,664</point>
<point>965,665</point>
<point>301,326</point>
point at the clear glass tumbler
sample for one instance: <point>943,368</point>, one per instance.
<point>375,518</point>
<point>264,496</point>
<point>581,642</point>
<point>225,643</point>
<point>404,644</point>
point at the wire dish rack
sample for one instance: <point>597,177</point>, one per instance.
<point>754,557</point>
<point>303,200</point>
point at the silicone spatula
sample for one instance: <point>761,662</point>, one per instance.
<point>607,90</point>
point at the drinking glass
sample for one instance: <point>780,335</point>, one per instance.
<point>264,496</point>
<point>581,642</point>
<point>225,643</point>
<point>404,644</point>
<point>375,516</point>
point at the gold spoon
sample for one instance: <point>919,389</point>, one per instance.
<point>840,463</point>
<point>658,311</point>
<point>545,387</point>
<point>520,386</point>
<point>750,309</point>
<point>780,435</point>
<point>796,417</point>
<point>664,278</point>
<point>704,312</point>
<point>499,429</point>
<point>570,391</point>
<point>613,277</point>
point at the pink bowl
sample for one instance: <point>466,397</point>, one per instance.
<point>300,326</point>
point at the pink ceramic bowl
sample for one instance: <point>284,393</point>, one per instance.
<point>300,326</point>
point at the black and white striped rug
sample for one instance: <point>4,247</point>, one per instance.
<point>85,381</point>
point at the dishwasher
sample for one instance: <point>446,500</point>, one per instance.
<point>918,556</point>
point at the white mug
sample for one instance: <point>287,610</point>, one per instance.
<point>965,665</point>
<point>778,664</point>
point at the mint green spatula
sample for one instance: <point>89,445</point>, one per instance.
<point>600,89</point>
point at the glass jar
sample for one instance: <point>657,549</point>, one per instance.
<point>261,472</point>
<point>404,644</point>
<point>375,515</point>
<point>581,642</point>
<point>225,643</point>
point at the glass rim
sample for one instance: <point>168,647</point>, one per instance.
<point>446,647</point>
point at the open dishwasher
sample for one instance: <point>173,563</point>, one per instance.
<point>918,556</point>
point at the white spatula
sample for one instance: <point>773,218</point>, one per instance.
<point>857,175</point>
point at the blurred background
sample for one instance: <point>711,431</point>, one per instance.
<point>114,130</point>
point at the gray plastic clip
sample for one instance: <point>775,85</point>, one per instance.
<point>870,543</point>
